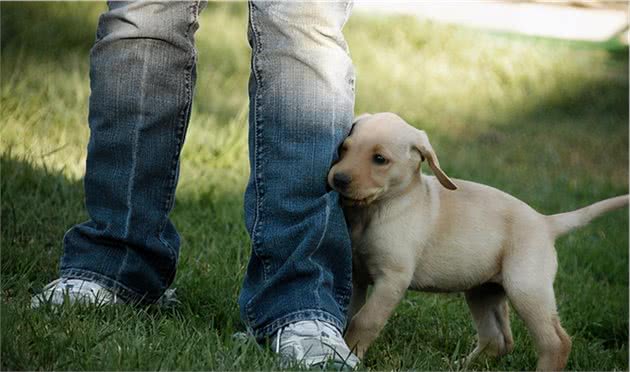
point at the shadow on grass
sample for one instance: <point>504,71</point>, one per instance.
<point>575,145</point>
<point>567,150</point>
<point>39,205</point>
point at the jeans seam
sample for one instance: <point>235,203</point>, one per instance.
<point>343,296</point>
<point>310,256</point>
<point>184,117</point>
<point>134,163</point>
<point>258,223</point>
<point>255,73</point>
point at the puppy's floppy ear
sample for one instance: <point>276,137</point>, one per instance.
<point>422,144</point>
<point>356,120</point>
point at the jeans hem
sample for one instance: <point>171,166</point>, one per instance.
<point>311,314</point>
<point>125,293</point>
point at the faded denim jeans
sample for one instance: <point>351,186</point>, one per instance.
<point>301,89</point>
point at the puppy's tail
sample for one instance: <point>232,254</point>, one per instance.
<point>562,223</point>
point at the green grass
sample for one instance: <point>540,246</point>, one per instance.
<point>544,120</point>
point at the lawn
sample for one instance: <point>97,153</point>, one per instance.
<point>544,120</point>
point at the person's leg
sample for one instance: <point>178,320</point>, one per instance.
<point>142,72</point>
<point>301,109</point>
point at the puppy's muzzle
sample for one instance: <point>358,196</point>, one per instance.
<point>341,181</point>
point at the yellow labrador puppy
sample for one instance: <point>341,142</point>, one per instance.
<point>435,234</point>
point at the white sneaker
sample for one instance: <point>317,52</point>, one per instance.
<point>74,291</point>
<point>312,343</point>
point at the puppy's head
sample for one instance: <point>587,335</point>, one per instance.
<point>382,157</point>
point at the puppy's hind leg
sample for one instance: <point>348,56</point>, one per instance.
<point>490,311</point>
<point>530,290</point>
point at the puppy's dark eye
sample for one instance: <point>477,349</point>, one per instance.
<point>379,159</point>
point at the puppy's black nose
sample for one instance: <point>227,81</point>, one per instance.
<point>341,180</point>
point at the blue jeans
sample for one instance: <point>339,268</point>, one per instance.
<point>142,72</point>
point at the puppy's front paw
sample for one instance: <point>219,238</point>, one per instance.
<point>357,339</point>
